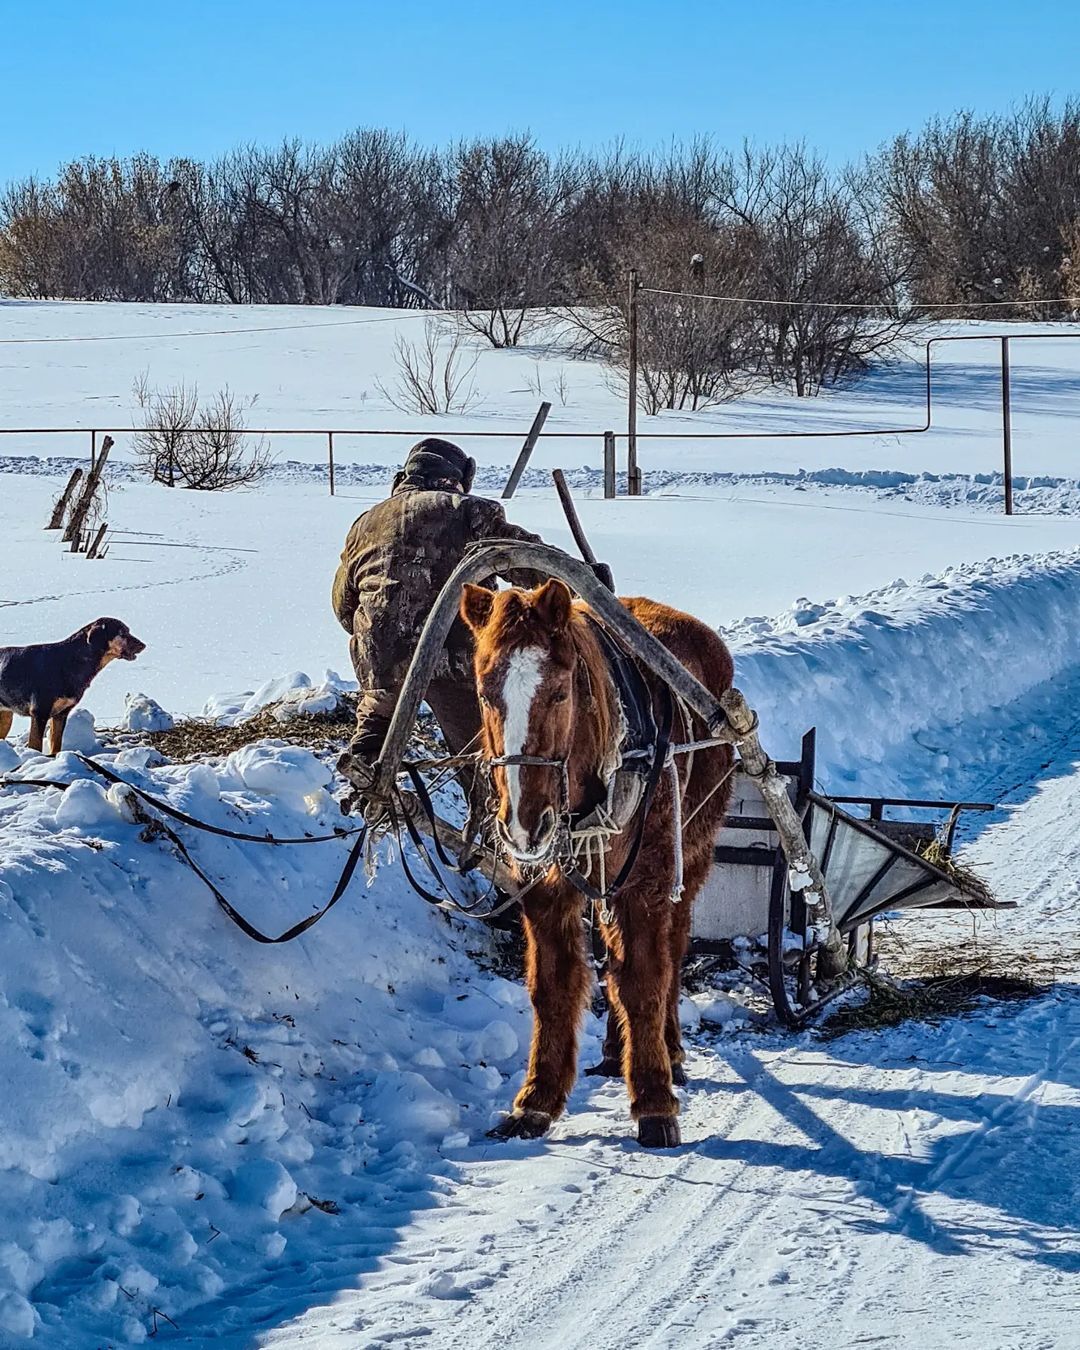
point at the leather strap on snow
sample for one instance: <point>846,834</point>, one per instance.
<point>159,805</point>
<point>252,932</point>
<point>355,854</point>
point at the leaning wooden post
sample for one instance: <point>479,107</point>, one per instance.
<point>86,498</point>
<point>93,550</point>
<point>609,465</point>
<point>526,451</point>
<point>804,874</point>
<point>59,511</point>
<point>330,448</point>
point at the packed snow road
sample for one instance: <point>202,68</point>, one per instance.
<point>907,1189</point>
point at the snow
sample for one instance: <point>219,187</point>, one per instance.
<point>285,1146</point>
<point>142,713</point>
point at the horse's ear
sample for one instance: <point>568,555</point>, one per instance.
<point>475,607</point>
<point>552,604</point>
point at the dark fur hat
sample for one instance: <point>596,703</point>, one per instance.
<point>433,459</point>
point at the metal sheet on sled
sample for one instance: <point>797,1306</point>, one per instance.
<point>866,871</point>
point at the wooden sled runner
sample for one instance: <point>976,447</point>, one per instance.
<point>789,861</point>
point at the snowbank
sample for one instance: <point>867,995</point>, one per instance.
<point>909,687</point>
<point>184,1111</point>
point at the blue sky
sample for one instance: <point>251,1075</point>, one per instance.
<point>194,78</point>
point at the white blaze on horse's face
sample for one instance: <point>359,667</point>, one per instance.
<point>522,681</point>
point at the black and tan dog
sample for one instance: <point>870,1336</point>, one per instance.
<point>45,682</point>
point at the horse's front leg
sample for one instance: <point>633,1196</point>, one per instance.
<point>642,986</point>
<point>558,979</point>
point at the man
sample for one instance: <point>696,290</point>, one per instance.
<point>396,560</point>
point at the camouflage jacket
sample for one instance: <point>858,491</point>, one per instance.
<point>397,558</point>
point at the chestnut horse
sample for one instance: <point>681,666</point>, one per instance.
<point>547,694</point>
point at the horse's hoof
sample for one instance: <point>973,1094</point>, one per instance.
<point>678,1075</point>
<point>658,1132</point>
<point>607,1068</point>
<point>521,1125</point>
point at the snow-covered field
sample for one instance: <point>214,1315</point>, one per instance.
<point>73,365</point>
<point>286,1146</point>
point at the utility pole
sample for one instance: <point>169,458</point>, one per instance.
<point>1006,423</point>
<point>633,473</point>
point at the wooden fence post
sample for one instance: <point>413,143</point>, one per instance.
<point>609,464</point>
<point>95,545</point>
<point>526,451</point>
<point>60,509</point>
<point>1006,424</point>
<point>330,450</point>
<point>86,498</point>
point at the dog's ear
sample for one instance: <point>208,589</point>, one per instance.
<point>476,603</point>
<point>96,633</point>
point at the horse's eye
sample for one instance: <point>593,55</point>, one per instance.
<point>559,696</point>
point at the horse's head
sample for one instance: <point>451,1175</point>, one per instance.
<point>525,661</point>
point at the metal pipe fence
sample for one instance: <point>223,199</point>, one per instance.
<point>608,439</point>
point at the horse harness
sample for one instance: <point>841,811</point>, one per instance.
<point>644,752</point>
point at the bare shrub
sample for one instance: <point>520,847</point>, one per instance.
<point>168,416</point>
<point>205,447</point>
<point>435,376</point>
<point>224,454</point>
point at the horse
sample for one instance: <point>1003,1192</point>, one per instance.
<point>554,733</point>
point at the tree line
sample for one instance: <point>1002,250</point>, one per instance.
<point>821,267</point>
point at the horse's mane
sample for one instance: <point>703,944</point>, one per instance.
<point>593,664</point>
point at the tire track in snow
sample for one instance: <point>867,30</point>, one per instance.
<point>649,1245</point>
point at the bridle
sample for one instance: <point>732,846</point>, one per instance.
<point>563,852</point>
<point>562,766</point>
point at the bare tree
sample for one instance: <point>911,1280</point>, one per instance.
<point>693,351</point>
<point>828,300</point>
<point>435,376</point>
<point>979,209</point>
<point>502,259</point>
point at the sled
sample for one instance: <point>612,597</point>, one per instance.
<point>790,862</point>
<point>872,865</point>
